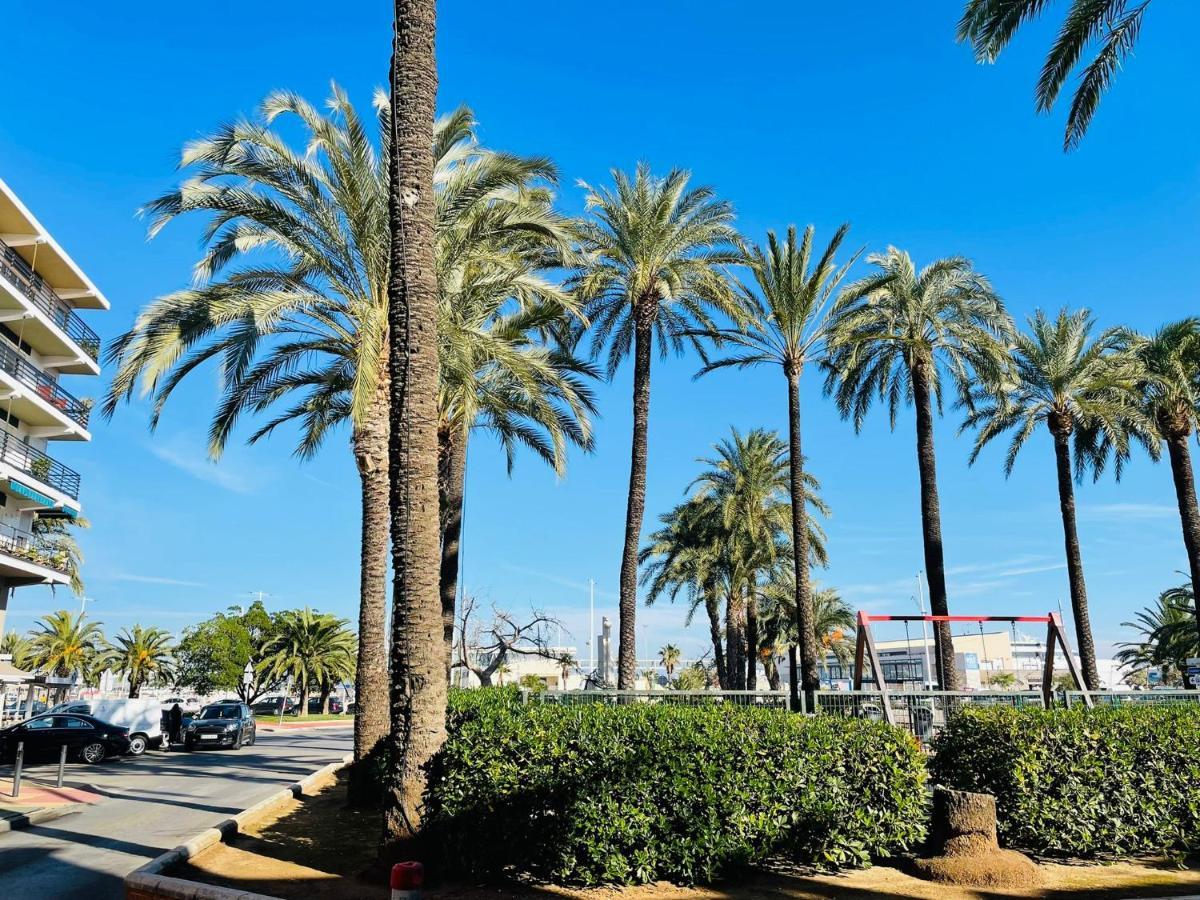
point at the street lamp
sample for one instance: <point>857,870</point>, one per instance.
<point>83,602</point>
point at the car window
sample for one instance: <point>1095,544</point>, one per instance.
<point>38,724</point>
<point>74,723</point>
<point>219,712</point>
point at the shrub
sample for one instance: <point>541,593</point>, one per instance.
<point>1113,780</point>
<point>621,794</point>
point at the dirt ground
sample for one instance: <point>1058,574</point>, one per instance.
<point>281,858</point>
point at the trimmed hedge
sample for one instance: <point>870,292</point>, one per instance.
<point>636,793</point>
<point>1109,781</point>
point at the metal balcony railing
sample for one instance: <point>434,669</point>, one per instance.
<point>24,546</point>
<point>33,462</point>
<point>16,365</point>
<point>33,286</point>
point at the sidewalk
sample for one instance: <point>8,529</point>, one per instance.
<point>39,802</point>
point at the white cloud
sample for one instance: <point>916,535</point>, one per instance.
<point>153,579</point>
<point>199,466</point>
<point>1123,512</point>
<point>581,586</point>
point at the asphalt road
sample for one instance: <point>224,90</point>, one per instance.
<point>155,803</point>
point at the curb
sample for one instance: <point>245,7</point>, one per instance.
<point>146,882</point>
<point>38,816</point>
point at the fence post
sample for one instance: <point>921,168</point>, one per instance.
<point>16,785</point>
<point>62,764</point>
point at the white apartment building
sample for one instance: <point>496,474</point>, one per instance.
<point>42,339</point>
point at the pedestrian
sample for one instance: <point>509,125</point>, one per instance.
<point>175,720</point>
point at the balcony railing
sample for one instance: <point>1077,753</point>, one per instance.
<point>33,286</point>
<point>25,546</point>
<point>36,464</point>
<point>43,385</point>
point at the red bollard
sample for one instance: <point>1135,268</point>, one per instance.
<point>407,878</point>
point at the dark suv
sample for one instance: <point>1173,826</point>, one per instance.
<point>221,725</point>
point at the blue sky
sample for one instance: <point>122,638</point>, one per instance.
<point>865,112</point>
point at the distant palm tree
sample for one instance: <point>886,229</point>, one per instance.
<point>787,316</point>
<point>990,24</point>
<point>1168,633</point>
<point>670,656</point>
<point>1082,389</point>
<point>833,619</point>
<point>65,643</point>
<point>502,670</point>
<point>19,647</point>
<point>309,648</point>
<point>566,662</point>
<point>895,334</point>
<point>654,272</point>
<point>143,655</point>
<point>1169,382</point>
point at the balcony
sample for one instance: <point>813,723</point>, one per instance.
<point>21,370</point>
<point>34,288</point>
<point>37,465</point>
<point>24,547</point>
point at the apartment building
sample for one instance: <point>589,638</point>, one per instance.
<point>43,337</point>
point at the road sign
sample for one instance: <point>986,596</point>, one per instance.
<point>248,674</point>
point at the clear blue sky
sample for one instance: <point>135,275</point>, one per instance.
<point>866,112</point>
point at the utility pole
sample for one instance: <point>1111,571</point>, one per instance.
<point>924,628</point>
<point>592,623</point>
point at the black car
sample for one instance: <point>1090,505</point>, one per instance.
<point>221,725</point>
<point>270,706</point>
<point>314,707</point>
<point>86,738</point>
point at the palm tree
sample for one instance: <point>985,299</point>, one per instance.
<point>895,334</point>
<point>566,662</point>
<point>833,619</point>
<point>19,647</point>
<point>1169,383</point>
<point>311,649</point>
<point>1168,633</point>
<point>65,644</point>
<point>418,651</point>
<point>990,24</point>
<point>55,538</point>
<point>670,656</point>
<point>142,655</point>
<point>1080,388</point>
<point>788,319</point>
<point>655,252</point>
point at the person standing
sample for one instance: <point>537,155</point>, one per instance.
<point>174,726</point>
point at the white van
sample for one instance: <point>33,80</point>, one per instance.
<point>143,718</point>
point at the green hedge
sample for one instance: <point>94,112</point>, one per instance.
<point>636,793</point>
<point>1108,781</point>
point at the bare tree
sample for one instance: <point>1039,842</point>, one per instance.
<point>484,649</point>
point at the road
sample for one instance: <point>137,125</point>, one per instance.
<point>155,803</point>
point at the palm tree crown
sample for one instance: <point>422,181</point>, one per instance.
<point>65,644</point>
<point>311,648</point>
<point>143,655</point>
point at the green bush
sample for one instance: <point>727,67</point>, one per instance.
<point>595,794</point>
<point>1078,782</point>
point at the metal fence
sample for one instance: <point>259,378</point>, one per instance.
<point>1123,698</point>
<point>922,713</point>
<point>764,699</point>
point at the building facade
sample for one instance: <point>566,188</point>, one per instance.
<point>43,338</point>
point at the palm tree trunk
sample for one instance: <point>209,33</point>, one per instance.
<point>1189,515</point>
<point>135,688</point>
<point>302,709</point>
<point>809,678</point>
<point>452,458</point>
<point>771,667</point>
<point>931,530</point>
<point>370,442</point>
<point>714,633</point>
<point>418,686</point>
<point>634,511</point>
<point>751,641</point>
<point>793,680</point>
<point>735,635</point>
<point>1079,602</point>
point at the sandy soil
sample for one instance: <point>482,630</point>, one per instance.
<point>281,858</point>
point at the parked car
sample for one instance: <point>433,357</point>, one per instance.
<point>142,718</point>
<point>314,706</point>
<point>269,706</point>
<point>87,738</point>
<point>221,725</point>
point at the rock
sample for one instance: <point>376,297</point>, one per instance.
<point>963,849</point>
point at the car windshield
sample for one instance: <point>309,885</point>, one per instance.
<point>219,712</point>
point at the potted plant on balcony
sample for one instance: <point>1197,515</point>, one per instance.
<point>39,468</point>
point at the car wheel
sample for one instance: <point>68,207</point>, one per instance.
<point>237,741</point>
<point>189,744</point>
<point>253,737</point>
<point>92,753</point>
<point>137,744</point>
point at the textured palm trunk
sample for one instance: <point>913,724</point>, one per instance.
<point>302,709</point>
<point>751,642</point>
<point>418,671</point>
<point>452,459</point>
<point>135,689</point>
<point>931,529</point>
<point>1079,601</point>
<point>1189,515</point>
<point>634,511</point>
<point>810,680</point>
<point>793,679</point>
<point>771,667</point>
<point>714,633</point>
<point>735,638</point>
<point>370,443</point>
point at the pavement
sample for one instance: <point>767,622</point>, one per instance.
<point>151,804</point>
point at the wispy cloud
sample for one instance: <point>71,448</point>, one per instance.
<point>1123,512</point>
<point>153,579</point>
<point>199,466</point>
<point>556,579</point>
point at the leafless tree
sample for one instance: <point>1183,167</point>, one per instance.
<point>483,648</point>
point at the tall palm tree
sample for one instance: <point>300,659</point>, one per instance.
<point>143,655</point>
<point>654,272</point>
<point>418,651</point>
<point>311,648</point>
<point>670,656</point>
<point>1168,633</point>
<point>787,317</point>
<point>1169,383</point>
<point>1083,390</point>
<point>65,643</point>
<point>896,335</point>
<point>990,24</point>
<point>19,647</point>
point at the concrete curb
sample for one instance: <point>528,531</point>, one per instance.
<point>146,881</point>
<point>38,816</point>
